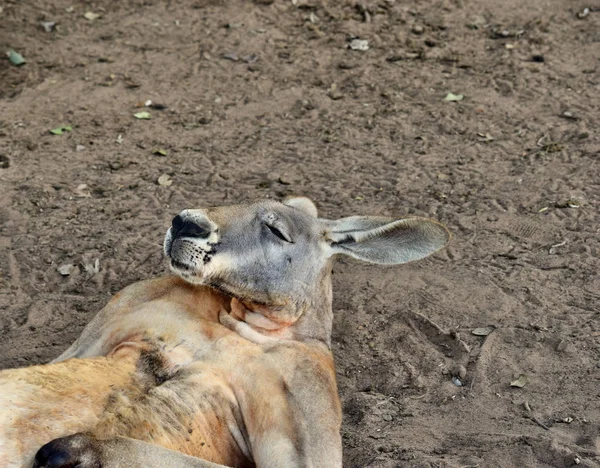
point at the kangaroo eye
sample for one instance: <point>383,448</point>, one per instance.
<point>278,233</point>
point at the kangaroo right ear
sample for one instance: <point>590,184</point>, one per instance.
<point>302,203</point>
<point>385,240</point>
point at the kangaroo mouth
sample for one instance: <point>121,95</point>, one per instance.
<point>190,261</point>
<point>190,273</point>
<point>177,265</point>
<point>188,255</point>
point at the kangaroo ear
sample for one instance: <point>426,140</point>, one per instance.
<point>302,203</point>
<point>385,240</point>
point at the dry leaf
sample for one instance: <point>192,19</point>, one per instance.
<point>60,130</point>
<point>483,331</point>
<point>520,381</point>
<point>15,58</point>
<point>91,268</point>
<point>48,25</point>
<point>359,44</point>
<point>451,97</point>
<point>82,191</point>
<point>165,180</point>
<point>91,16</point>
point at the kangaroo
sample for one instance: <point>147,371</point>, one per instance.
<point>226,363</point>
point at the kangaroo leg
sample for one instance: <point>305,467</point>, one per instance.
<point>84,451</point>
<point>41,403</point>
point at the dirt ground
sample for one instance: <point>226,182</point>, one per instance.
<point>266,99</point>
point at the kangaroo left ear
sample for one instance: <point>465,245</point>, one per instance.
<point>385,240</point>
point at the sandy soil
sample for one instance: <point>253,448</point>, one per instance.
<point>265,99</point>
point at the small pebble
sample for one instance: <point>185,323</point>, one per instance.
<point>417,29</point>
<point>359,44</point>
<point>584,13</point>
<point>459,371</point>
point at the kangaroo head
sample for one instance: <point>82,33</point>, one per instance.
<point>275,258</point>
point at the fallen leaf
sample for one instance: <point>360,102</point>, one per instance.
<point>82,191</point>
<point>91,268</point>
<point>48,25</point>
<point>486,137</point>
<point>159,152</point>
<point>66,270</point>
<point>520,381</point>
<point>90,15</point>
<point>483,331</point>
<point>570,203</point>
<point>553,248</point>
<point>60,130</point>
<point>359,44</point>
<point>165,180</point>
<point>15,58</point>
<point>568,115</point>
<point>451,97</point>
<point>142,115</point>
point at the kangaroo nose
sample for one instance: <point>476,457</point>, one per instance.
<point>186,228</point>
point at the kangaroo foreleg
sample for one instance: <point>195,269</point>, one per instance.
<point>85,451</point>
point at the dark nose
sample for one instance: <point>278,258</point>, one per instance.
<point>185,228</point>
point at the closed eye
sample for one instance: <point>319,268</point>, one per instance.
<point>279,234</point>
